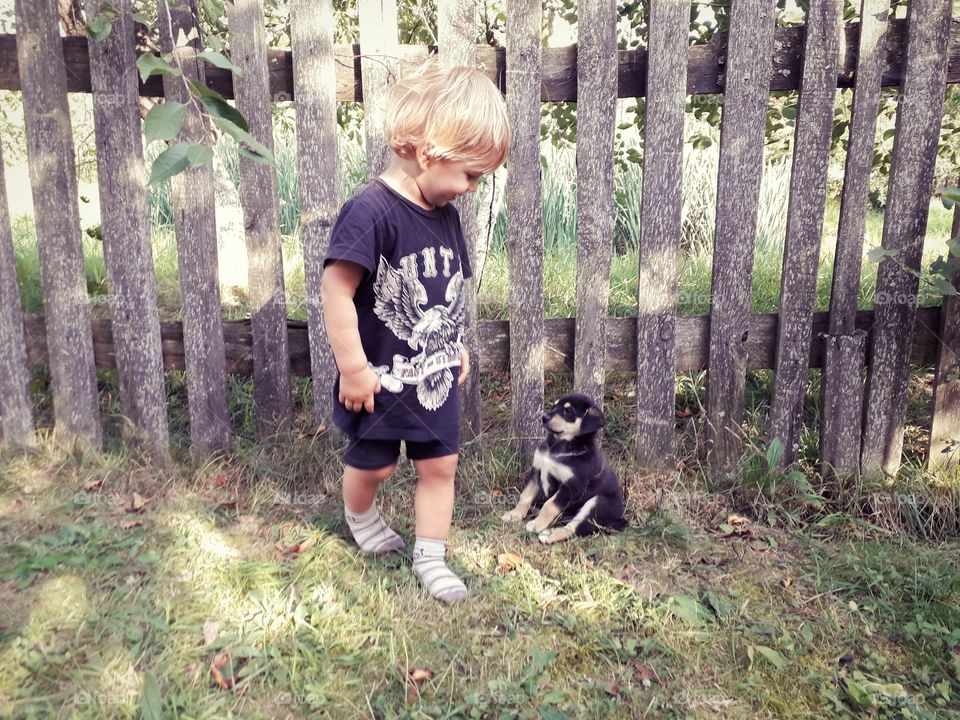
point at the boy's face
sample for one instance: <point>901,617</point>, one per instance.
<point>444,180</point>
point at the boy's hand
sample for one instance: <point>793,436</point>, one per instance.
<point>464,366</point>
<point>358,388</point>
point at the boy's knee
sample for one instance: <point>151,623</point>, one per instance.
<point>441,469</point>
<point>377,475</point>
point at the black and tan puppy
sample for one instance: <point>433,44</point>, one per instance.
<point>570,480</point>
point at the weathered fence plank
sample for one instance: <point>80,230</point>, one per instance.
<point>379,65</point>
<point>596,117</point>
<point>311,35</point>
<point>905,222</point>
<point>660,236</point>
<point>945,423</point>
<point>841,385</point>
<point>195,225</point>
<point>690,355</point>
<point>456,35</point>
<point>808,197</point>
<point>741,165</point>
<point>53,178</point>
<point>258,187</point>
<point>559,78</point>
<point>525,220</point>
<point>16,420</point>
<point>125,222</point>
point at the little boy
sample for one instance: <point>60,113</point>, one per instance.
<point>393,296</point>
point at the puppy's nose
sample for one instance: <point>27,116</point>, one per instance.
<point>545,418</point>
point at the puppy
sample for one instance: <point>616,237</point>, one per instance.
<point>570,479</point>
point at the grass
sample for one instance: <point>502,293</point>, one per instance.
<point>788,612</point>
<point>560,261</point>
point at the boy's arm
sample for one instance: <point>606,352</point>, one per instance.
<point>358,383</point>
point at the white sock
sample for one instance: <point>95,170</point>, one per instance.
<point>440,581</point>
<point>372,534</point>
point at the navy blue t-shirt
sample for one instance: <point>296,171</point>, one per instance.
<point>410,307</point>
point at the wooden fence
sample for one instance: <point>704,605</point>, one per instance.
<point>865,356</point>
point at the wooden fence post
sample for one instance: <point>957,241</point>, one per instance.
<point>945,423</point>
<point>596,117</point>
<point>127,249</point>
<point>195,223</point>
<point>315,93</point>
<point>841,385</point>
<point>525,221</point>
<point>379,64</point>
<point>53,177</point>
<point>457,37</point>
<point>258,186</point>
<point>905,222</point>
<point>808,197</point>
<point>746,91</point>
<point>660,235</point>
<point>16,420</point>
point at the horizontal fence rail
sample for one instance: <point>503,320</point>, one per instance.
<point>705,66</point>
<point>692,341</point>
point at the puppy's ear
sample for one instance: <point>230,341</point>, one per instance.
<point>592,421</point>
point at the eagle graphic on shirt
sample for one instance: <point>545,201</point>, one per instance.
<point>434,331</point>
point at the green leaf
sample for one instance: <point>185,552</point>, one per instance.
<point>689,610</point>
<point>163,122</point>
<point>100,27</point>
<point>199,154</point>
<point>217,59</point>
<point>242,136</point>
<point>951,196</point>
<point>944,286</point>
<point>170,162</point>
<point>774,452</point>
<point>859,695</point>
<point>142,18</point>
<point>875,255</point>
<point>149,65</point>
<point>151,704</point>
<point>772,656</point>
<point>219,108</point>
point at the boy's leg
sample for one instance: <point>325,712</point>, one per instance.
<point>372,534</point>
<point>434,510</point>
<point>360,486</point>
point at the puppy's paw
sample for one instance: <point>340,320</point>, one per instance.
<point>513,516</point>
<point>532,526</point>
<point>553,535</point>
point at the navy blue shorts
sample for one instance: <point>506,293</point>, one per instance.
<point>373,454</point>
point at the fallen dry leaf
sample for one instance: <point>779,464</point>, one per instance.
<point>643,673</point>
<point>221,480</point>
<point>222,671</point>
<point>686,412</point>
<point>130,524</point>
<point>613,688</point>
<point>302,546</point>
<point>93,485</point>
<point>507,562</point>
<point>786,582</point>
<point>416,676</point>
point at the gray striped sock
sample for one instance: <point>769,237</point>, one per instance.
<point>372,534</point>
<point>440,581</point>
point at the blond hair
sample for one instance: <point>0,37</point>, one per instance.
<point>452,113</point>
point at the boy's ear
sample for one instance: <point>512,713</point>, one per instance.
<point>423,156</point>
<point>592,421</point>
